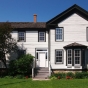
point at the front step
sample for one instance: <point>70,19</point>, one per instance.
<point>42,73</point>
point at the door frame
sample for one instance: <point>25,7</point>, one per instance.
<point>40,50</point>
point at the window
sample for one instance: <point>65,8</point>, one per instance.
<point>59,34</point>
<point>87,33</point>
<point>77,56</point>
<point>21,52</point>
<point>21,36</point>
<point>69,57</point>
<point>41,36</point>
<point>59,56</point>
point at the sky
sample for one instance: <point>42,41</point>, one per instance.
<point>23,10</point>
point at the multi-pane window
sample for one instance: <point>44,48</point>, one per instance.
<point>21,36</point>
<point>59,56</point>
<point>41,36</point>
<point>59,34</point>
<point>77,56</point>
<point>21,52</point>
<point>69,57</point>
<point>87,33</point>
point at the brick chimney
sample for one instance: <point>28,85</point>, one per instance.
<point>35,18</point>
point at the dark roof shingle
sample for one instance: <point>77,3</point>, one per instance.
<point>74,44</point>
<point>28,24</point>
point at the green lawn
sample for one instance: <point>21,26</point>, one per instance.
<point>28,83</point>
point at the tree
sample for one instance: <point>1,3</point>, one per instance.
<point>7,43</point>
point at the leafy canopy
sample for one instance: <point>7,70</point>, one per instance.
<point>7,43</point>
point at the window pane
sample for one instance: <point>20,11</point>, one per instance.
<point>21,52</point>
<point>21,36</point>
<point>41,36</point>
<point>69,56</point>
<point>69,60</point>
<point>77,56</point>
<point>59,33</point>
<point>41,33</point>
<point>59,55</point>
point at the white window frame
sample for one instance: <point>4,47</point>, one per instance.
<point>41,36</point>
<point>69,57</point>
<point>77,56</point>
<point>59,33</point>
<point>59,56</point>
<point>21,36</point>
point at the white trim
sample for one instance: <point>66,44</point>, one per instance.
<point>41,50</point>
<point>77,65</point>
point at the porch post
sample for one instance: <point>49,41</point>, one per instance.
<point>33,69</point>
<point>49,69</point>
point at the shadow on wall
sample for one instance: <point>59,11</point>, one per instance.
<point>13,55</point>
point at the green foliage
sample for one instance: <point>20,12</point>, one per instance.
<point>22,65</point>
<point>7,43</point>
<point>81,75</point>
<point>70,74</point>
<point>19,76</point>
<point>52,78</point>
<point>58,75</point>
<point>8,77</point>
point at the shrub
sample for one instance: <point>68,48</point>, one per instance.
<point>8,77</point>
<point>70,75</point>
<point>58,75</point>
<point>85,74</point>
<point>79,75</point>
<point>53,78</point>
<point>19,76</point>
<point>22,65</point>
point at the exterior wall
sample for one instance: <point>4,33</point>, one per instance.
<point>30,45</point>
<point>74,31</point>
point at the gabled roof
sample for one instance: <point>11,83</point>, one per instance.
<point>74,45</point>
<point>74,9</point>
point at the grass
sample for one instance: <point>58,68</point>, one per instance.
<point>28,83</point>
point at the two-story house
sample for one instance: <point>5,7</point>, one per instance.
<point>61,44</point>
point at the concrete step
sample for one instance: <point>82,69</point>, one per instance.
<point>42,73</point>
<point>43,69</point>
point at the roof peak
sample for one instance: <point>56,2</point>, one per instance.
<point>73,9</point>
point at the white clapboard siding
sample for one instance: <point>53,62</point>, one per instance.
<point>74,31</point>
<point>31,41</point>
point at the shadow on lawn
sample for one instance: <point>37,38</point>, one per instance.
<point>12,83</point>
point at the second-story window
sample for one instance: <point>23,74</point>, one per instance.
<point>59,34</point>
<point>21,36</point>
<point>41,36</point>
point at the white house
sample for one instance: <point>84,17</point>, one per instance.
<point>61,44</point>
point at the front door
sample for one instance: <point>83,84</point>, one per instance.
<point>42,59</point>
